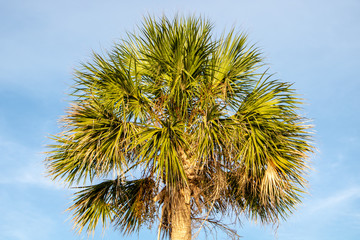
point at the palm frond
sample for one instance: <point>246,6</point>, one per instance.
<point>96,142</point>
<point>273,147</point>
<point>127,205</point>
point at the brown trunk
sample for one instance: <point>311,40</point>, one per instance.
<point>181,217</point>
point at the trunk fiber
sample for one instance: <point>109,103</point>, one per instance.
<point>181,218</point>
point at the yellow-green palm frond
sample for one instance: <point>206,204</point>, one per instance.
<point>124,204</point>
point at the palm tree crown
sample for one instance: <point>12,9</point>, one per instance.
<point>186,129</point>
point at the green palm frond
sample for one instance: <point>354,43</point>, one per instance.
<point>127,205</point>
<point>272,151</point>
<point>96,142</point>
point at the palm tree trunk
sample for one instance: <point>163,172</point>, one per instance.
<point>181,217</point>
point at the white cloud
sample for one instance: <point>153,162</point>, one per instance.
<point>22,165</point>
<point>337,200</point>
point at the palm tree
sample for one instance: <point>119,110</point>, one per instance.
<point>186,128</point>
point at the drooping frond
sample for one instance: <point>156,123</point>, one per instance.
<point>127,205</point>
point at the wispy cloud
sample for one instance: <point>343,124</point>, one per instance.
<point>30,174</point>
<point>22,165</point>
<point>336,200</point>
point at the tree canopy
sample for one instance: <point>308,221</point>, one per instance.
<point>175,126</point>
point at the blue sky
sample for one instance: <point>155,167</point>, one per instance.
<point>314,44</point>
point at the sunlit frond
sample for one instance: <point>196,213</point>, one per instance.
<point>95,142</point>
<point>127,205</point>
